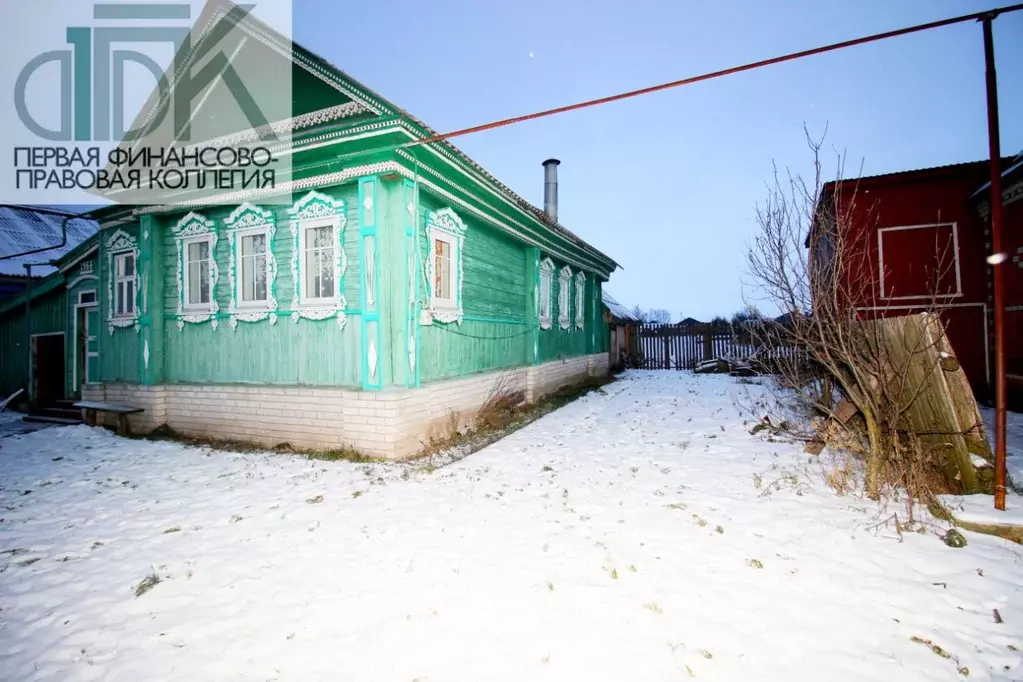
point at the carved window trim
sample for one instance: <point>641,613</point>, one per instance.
<point>193,228</point>
<point>245,221</point>
<point>122,244</point>
<point>564,279</point>
<point>546,312</point>
<point>316,209</point>
<point>444,225</point>
<point>580,297</point>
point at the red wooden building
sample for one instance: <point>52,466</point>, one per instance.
<point>923,236</point>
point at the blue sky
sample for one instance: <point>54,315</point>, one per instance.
<point>666,183</point>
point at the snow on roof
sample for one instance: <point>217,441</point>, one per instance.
<point>24,228</point>
<point>617,309</point>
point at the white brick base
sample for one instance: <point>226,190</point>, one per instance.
<point>392,423</point>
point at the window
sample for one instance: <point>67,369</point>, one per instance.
<point>546,282</point>
<point>319,262</point>
<point>564,320</point>
<point>319,243</point>
<point>196,239</point>
<point>580,296</point>
<point>198,281</point>
<point>446,239</point>
<point>86,297</point>
<point>252,276</point>
<point>443,272</point>
<point>124,284</point>
<point>122,281</point>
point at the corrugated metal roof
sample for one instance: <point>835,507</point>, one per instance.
<point>24,228</point>
<point>617,309</point>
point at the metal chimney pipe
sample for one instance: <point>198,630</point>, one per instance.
<point>550,188</point>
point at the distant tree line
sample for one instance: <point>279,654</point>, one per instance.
<point>657,315</point>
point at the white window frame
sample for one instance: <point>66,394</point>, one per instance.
<point>262,304</point>
<point>315,207</point>
<point>545,292</point>
<point>955,253</point>
<point>438,302</point>
<point>191,228</point>
<point>564,298</point>
<point>206,307</point>
<point>334,223</point>
<point>580,298</point>
<point>82,304</point>
<point>121,285</point>
<point>119,246</point>
<point>444,225</point>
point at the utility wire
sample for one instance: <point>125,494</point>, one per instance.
<point>976,16</point>
<point>450,330</point>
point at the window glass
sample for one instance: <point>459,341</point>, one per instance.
<point>319,262</point>
<point>253,268</point>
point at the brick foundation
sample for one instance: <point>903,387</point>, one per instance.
<point>392,423</point>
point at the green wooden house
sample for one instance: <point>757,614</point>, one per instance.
<point>58,292</point>
<point>398,286</point>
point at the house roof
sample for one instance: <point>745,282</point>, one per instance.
<point>305,58</point>
<point>617,309</point>
<point>26,228</point>
<point>908,175</point>
<point>915,173</point>
<point>537,213</point>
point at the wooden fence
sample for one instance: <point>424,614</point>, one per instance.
<point>669,346</point>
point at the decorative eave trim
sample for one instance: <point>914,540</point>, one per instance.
<point>313,118</point>
<point>332,77</point>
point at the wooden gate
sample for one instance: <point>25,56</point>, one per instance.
<point>676,346</point>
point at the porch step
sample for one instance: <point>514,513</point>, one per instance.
<point>44,419</point>
<point>61,411</point>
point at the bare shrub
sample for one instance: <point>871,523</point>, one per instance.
<point>502,404</point>
<point>812,260</point>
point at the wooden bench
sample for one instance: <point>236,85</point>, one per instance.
<point>122,412</point>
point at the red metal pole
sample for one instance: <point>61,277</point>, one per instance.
<point>998,260</point>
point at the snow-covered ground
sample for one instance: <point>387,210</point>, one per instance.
<point>636,534</point>
<point>1013,440</point>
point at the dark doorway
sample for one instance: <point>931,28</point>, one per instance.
<point>48,368</point>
